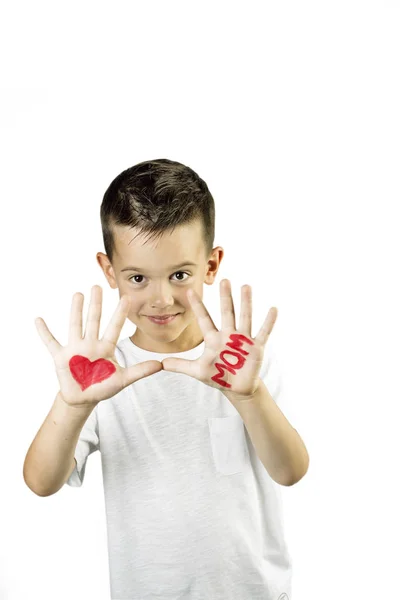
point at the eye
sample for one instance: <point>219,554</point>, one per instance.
<point>181,272</point>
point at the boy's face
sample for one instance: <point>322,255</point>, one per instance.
<point>158,285</point>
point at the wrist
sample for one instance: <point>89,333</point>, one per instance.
<point>243,398</point>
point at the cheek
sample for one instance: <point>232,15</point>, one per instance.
<point>135,307</point>
<point>186,302</point>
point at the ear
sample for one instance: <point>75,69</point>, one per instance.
<point>107,269</point>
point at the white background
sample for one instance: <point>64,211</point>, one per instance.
<point>290,112</point>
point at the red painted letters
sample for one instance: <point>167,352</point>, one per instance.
<point>236,344</point>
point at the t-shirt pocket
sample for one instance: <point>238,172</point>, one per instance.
<point>228,444</point>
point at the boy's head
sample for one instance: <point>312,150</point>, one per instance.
<point>159,217</point>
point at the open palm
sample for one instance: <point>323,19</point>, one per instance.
<point>86,367</point>
<point>232,359</point>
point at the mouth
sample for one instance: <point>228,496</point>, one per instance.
<point>163,320</point>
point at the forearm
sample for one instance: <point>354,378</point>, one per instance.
<point>277,444</point>
<point>50,456</point>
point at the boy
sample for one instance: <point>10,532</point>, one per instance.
<point>193,446</point>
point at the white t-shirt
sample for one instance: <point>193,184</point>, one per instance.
<point>192,513</point>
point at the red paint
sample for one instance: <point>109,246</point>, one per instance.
<point>86,372</point>
<point>236,344</point>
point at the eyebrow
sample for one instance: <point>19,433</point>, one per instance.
<point>185,264</point>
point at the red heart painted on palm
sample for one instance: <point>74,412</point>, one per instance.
<point>86,372</point>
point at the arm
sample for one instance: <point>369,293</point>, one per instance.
<point>277,444</point>
<point>50,459</point>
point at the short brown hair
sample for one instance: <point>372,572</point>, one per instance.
<point>157,195</point>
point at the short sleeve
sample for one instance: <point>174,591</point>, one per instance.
<point>271,374</point>
<point>88,442</point>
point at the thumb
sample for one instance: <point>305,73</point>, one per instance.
<point>179,365</point>
<point>140,370</point>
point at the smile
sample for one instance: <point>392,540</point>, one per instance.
<point>162,321</point>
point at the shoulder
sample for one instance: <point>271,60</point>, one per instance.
<point>121,352</point>
<point>270,363</point>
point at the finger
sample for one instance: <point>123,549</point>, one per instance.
<point>47,337</point>
<point>181,365</point>
<point>266,328</point>
<point>227,307</point>
<point>114,327</point>
<point>75,322</point>
<point>140,370</point>
<point>202,315</point>
<point>94,314</point>
<point>246,310</point>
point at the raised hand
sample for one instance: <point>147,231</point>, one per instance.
<point>86,367</point>
<point>232,359</point>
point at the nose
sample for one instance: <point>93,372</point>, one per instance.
<point>161,296</point>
